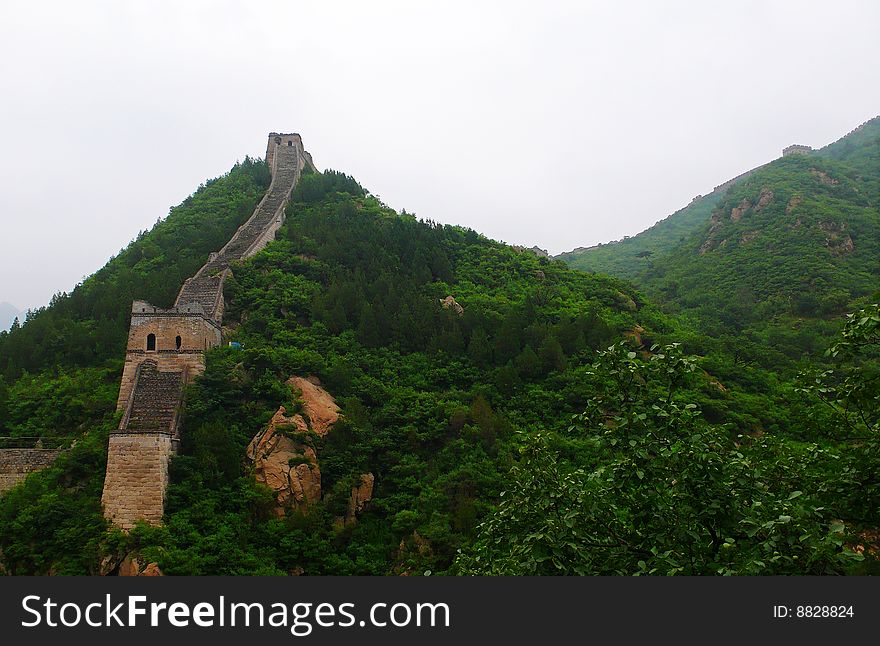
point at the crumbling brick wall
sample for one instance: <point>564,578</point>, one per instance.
<point>16,464</point>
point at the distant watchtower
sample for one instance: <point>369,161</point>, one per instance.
<point>278,139</point>
<point>796,149</point>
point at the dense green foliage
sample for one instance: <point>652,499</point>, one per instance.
<point>643,485</point>
<point>350,292</point>
<point>53,522</point>
<point>809,253</point>
<point>553,426</point>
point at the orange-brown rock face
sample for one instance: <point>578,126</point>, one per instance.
<point>285,463</point>
<point>361,494</point>
<point>132,566</point>
<point>283,457</point>
<point>737,212</point>
<point>318,405</point>
<point>410,547</point>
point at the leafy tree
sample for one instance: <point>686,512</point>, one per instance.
<point>666,493</point>
<point>849,393</point>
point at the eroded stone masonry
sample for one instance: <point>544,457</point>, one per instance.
<point>166,349</point>
<point>16,464</point>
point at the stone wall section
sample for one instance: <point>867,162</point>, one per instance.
<point>166,349</point>
<point>134,488</point>
<point>16,464</point>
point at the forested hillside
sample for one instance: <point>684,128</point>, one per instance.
<point>551,424</point>
<point>783,254</point>
<point>629,257</point>
<point>786,254</point>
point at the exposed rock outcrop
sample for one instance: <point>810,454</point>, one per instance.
<point>129,564</point>
<point>836,237</point>
<point>737,212</point>
<point>361,494</point>
<point>793,203</point>
<point>748,236</point>
<point>714,225</point>
<point>823,177</point>
<point>286,463</point>
<point>764,198</point>
<point>450,303</point>
<point>318,405</point>
<point>134,567</point>
<point>411,547</point>
<point>635,334</point>
<point>283,455</point>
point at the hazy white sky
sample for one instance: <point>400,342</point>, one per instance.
<point>560,124</point>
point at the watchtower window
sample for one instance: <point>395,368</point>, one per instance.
<point>178,341</point>
<point>151,342</point>
<point>289,142</point>
<point>277,140</point>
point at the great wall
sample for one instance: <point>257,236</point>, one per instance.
<point>16,462</point>
<point>166,349</point>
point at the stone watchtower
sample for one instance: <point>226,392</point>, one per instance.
<point>166,349</point>
<point>796,149</point>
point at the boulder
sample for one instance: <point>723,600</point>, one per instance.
<point>133,566</point>
<point>361,494</point>
<point>284,462</point>
<point>764,198</point>
<point>737,212</point>
<point>823,177</point>
<point>283,457</point>
<point>318,405</point>
<point>450,302</point>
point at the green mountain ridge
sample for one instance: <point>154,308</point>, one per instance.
<point>628,258</point>
<point>556,424</point>
<point>776,259</point>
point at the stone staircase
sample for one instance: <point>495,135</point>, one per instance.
<point>154,401</point>
<point>205,290</point>
<point>206,287</point>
